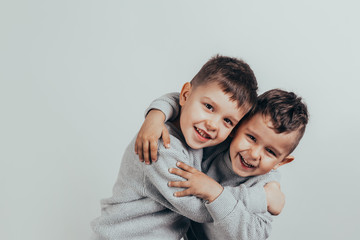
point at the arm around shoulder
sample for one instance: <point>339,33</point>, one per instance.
<point>158,176</point>
<point>232,220</point>
<point>168,104</point>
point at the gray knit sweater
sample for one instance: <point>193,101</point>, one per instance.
<point>143,206</point>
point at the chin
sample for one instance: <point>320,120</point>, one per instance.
<point>243,174</point>
<point>194,145</point>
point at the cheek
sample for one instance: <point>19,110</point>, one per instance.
<point>235,146</point>
<point>239,143</point>
<point>224,132</point>
<point>184,122</point>
<point>195,107</point>
<point>189,115</point>
<point>195,114</point>
<point>268,164</point>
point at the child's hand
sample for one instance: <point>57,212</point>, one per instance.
<point>198,183</point>
<point>275,198</point>
<point>153,128</point>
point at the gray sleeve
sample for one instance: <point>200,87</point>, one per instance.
<point>235,221</point>
<point>253,198</point>
<point>158,176</point>
<point>252,192</point>
<point>168,104</point>
<point>245,215</point>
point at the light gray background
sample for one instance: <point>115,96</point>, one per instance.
<point>76,76</point>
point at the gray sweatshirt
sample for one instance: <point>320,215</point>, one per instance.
<point>143,206</point>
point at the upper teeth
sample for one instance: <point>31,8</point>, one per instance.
<point>246,163</point>
<point>202,133</point>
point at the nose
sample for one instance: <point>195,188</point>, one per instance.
<point>211,125</point>
<point>255,153</point>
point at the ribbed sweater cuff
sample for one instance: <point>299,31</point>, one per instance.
<point>222,205</point>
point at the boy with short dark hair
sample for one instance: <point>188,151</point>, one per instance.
<point>262,142</point>
<point>142,205</point>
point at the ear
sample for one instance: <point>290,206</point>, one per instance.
<point>286,160</point>
<point>185,93</point>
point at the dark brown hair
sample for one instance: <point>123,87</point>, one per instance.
<point>287,111</point>
<point>233,75</point>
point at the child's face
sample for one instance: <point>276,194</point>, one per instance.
<point>207,115</point>
<point>256,148</point>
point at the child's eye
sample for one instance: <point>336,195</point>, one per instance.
<point>252,137</point>
<point>208,106</point>
<point>228,121</point>
<point>271,152</point>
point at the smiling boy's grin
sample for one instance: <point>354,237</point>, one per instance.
<point>246,164</point>
<point>202,134</point>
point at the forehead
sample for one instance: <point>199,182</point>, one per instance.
<point>214,93</point>
<point>263,130</point>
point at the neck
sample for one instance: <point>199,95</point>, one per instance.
<point>176,123</point>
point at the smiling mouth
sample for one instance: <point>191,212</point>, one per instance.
<point>246,164</point>
<point>202,133</point>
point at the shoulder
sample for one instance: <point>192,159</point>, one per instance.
<point>273,175</point>
<point>178,146</point>
<point>177,140</point>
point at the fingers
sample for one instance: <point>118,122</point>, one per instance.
<point>179,184</point>
<point>136,147</point>
<point>276,183</point>
<point>166,137</point>
<point>146,149</point>
<point>273,184</point>
<point>146,152</point>
<point>186,167</point>
<point>153,150</point>
<point>183,193</point>
<point>180,173</point>
<point>139,149</point>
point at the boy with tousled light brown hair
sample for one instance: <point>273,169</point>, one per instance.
<point>262,142</point>
<point>234,77</point>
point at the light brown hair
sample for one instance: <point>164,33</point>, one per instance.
<point>287,111</point>
<point>234,76</point>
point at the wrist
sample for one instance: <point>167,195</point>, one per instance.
<point>215,194</point>
<point>156,114</point>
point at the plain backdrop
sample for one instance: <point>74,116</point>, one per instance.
<point>77,75</point>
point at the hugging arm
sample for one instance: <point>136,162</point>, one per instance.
<point>244,217</point>
<point>230,215</point>
<point>156,180</point>
<point>275,198</point>
<point>240,223</point>
<point>248,220</point>
<point>153,128</point>
<point>160,110</point>
<point>197,183</point>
